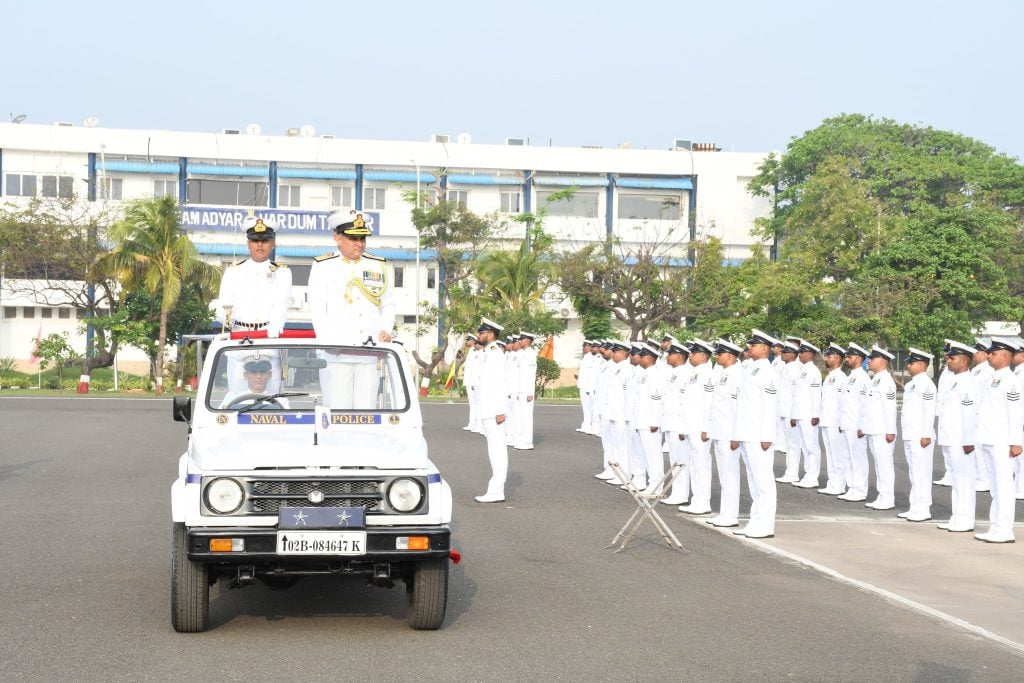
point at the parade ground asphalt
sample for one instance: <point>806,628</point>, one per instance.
<point>842,593</point>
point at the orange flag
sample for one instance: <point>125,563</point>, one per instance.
<point>548,350</point>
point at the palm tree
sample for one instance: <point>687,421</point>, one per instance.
<point>517,278</point>
<point>152,251</point>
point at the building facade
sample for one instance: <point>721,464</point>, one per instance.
<point>298,179</point>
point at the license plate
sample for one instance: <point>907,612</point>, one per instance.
<point>321,542</point>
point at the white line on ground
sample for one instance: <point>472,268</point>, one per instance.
<point>871,588</point>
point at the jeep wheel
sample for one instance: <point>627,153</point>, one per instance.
<point>190,587</point>
<point>426,597</point>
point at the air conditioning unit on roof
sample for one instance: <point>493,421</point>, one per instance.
<point>231,131</point>
<point>439,138</point>
<point>515,141</point>
<point>682,144</point>
<point>65,124</point>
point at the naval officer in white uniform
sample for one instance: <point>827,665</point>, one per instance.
<point>350,302</point>
<point>492,409</point>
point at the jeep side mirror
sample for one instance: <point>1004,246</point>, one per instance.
<point>181,408</point>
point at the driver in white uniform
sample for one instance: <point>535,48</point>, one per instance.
<point>257,371</point>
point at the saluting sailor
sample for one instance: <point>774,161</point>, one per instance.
<point>837,457</point>
<point>878,424</point>
<point>1001,432</point>
<point>958,417</point>
<point>917,423</point>
<point>351,303</point>
<point>255,294</point>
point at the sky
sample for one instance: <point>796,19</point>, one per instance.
<point>748,76</point>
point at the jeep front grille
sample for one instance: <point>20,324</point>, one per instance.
<point>267,496</point>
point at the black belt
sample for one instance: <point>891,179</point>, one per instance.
<point>250,326</point>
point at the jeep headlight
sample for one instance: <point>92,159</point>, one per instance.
<point>224,496</point>
<point>405,495</point>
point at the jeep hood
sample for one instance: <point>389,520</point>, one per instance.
<point>271,447</point>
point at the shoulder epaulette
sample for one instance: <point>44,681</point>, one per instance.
<point>374,258</point>
<point>326,257</point>
<point>274,265</point>
<point>240,262</point>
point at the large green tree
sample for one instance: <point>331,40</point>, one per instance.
<point>153,252</point>
<point>889,229</point>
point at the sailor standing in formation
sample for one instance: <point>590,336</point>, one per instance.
<point>526,387</point>
<point>471,380</point>
<point>837,457</point>
<point>917,425</point>
<point>957,419</point>
<point>586,381</point>
<point>493,407</point>
<point>697,399</point>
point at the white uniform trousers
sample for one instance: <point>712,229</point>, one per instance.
<point>347,386</point>
<point>947,472</point>
<point>964,497</point>
<point>699,454</point>
<point>635,449</point>
<point>981,467</point>
<point>654,459</point>
<point>619,445</point>
<point>1018,477</point>
<point>1000,482</point>
<point>920,463</point>
<point>885,475</point>
<point>794,449</point>
<point>512,419</point>
<point>679,454</point>
<point>812,449</point>
<point>497,453</point>
<point>857,477</point>
<point>587,403</point>
<point>781,441</point>
<point>728,463</point>
<point>837,458</point>
<point>761,481</point>
<point>607,443</point>
<point>471,396</point>
<point>525,426</point>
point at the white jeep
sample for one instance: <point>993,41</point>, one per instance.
<point>275,485</point>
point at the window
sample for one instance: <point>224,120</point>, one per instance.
<point>20,185</point>
<point>409,319</point>
<point>399,276</point>
<point>28,312</point>
<point>58,186</point>
<point>109,188</point>
<point>510,202</point>
<point>165,188</point>
<point>460,197</point>
<point>64,313</point>
<point>81,313</point>
<point>655,207</point>
<point>581,204</point>
<point>227,192</point>
<point>373,198</point>
<point>341,196</point>
<point>288,195</point>
<point>431,278</point>
<point>46,312</point>
<point>10,311</point>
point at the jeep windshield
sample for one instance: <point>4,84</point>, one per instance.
<point>256,378</point>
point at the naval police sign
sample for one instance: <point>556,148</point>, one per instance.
<point>207,218</point>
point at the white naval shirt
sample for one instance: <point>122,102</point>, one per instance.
<point>830,397</point>
<point>341,298</point>
<point>527,368</point>
<point>673,418</point>
<point>852,395</point>
<point>258,294</point>
<point>879,413</point>
<point>699,387</point>
<point>917,420</point>
<point>1001,413</point>
<point>958,414</point>
<point>806,395</point>
<point>757,404</point>
<point>493,400</point>
<point>649,399</point>
<point>615,393</point>
<point>471,368</point>
<point>722,408</point>
<point>786,376</point>
<point>945,378</point>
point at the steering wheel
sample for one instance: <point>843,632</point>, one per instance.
<point>265,399</point>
